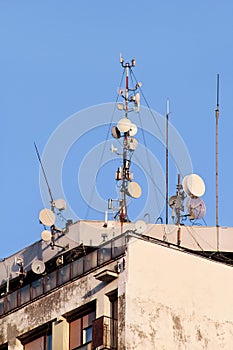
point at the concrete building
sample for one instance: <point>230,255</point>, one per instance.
<point>116,288</point>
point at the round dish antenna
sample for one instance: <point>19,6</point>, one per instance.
<point>116,132</point>
<point>46,235</point>
<point>60,204</point>
<point>133,129</point>
<point>193,185</point>
<point>124,125</point>
<point>38,267</point>
<point>47,217</point>
<point>196,208</point>
<point>140,226</point>
<point>172,201</point>
<point>132,143</point>
<point>134,190</point>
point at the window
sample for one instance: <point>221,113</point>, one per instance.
<point>38,339</point>
<point>81,327</point>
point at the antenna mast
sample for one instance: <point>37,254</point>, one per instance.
<point>167,116</point>
<point>216,160</point>
<point>126,162</point>
<point>126,130</point>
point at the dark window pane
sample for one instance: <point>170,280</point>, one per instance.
<point>1,307</point>
<point>37,288</point>
<point>24,294</point>
<point>12,301</point>
<point>104,254</point>
<point>64,274</point>
<point>77,268</point>
<point>118,247</point>
<point>90,261</point>
<point>50,281</point>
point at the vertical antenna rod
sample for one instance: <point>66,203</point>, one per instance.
<point>167,116</point>
<point>216,160</point>
<point>45,177</point>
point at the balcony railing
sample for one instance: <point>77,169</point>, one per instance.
<point>104,333</point>
<point>73,270</point>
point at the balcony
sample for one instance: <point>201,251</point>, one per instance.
<point>104,333</point>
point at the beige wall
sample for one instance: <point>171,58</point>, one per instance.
<point>176,300</point>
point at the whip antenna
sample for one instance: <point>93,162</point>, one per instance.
<point>216,160</point>
<point>45,177</point>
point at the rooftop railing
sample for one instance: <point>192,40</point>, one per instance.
<point>71,271</point>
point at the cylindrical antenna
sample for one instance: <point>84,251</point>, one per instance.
<point>167,125</point>
<point>216,160</point>
<point>45,177</point>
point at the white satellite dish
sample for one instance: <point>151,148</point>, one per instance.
<point>133,129</point>
<point>137,101</point>
<point>140,226</point>
<point>172,201</point>
<point>47,217</point>
<point>121,106</point>
<point>46,235</point>
<point>134,190</point>
<point>124,124</point>
<point>113,149</point>
<point>132,143</point>
<point>196,208</point>
<point>193,185</point>
<point>116,132</point>
<point>60,204</point>
<point>38,267</point>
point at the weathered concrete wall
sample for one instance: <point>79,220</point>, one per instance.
<point>54,305</point>
<point>176,301</point>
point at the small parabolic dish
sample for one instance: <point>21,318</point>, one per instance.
<point>124,124</point>
<point>46,235</point>
<point>134,190</point>
<point>116,132</point>
<point>196,208</point>
<point>47,217</point>
<point>60,204</point>
<point>140,226</point>
<point>132,143</point>
<point>38,267</point>
<point>172,201</point>
<point>193,185</point>
<point>133,130</point>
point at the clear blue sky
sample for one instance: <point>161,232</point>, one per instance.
<point>59,57</point>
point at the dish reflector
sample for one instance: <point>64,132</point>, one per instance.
<point>134,190</point>
<point>193,185</point>
<point>140,226</point>
<point>60,204</point>
<point>133,129</point>
<point>172,201</point>
<point>46,235</point>
<point>38,267</point>
<point>132,143</point>
<point>196,208</point>
<point>47,217</point>
<point>124,124</point>
<point>116,132</point>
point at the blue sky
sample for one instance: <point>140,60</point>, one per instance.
<point>59,57</point>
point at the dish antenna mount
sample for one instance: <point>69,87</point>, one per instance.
<point>125,129</point>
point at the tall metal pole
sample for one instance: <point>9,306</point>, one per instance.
<point>124,214</point>
<point>216,160</point>
<point>167,116</point>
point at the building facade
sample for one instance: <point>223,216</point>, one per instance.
<point>131,291</point>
